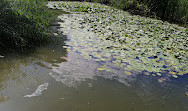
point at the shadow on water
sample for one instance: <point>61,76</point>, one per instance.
<point>13,65</point>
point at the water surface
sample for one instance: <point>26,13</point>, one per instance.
<point>55,77</point>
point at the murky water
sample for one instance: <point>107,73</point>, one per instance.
<point>56,78</point>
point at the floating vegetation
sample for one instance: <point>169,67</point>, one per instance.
<point>81,7</point>
<point>133,43</point>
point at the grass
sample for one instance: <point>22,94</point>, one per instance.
<point>23,23</point>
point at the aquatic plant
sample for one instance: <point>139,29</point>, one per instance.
<point>170,10</point>
<point>133,43</point>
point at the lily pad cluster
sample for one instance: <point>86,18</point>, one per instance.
<point>128,41</point>
<point>82,7</point>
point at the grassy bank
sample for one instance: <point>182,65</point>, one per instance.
<point>23,23</point>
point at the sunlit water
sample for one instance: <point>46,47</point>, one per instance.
<point>53,78</point>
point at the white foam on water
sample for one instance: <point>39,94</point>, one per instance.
<point>39,90</point>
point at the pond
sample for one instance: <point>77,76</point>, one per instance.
<point>83,70</point>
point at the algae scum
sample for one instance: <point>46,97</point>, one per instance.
<point>132,43</point>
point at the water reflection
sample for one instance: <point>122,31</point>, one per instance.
<point>16,68</point>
